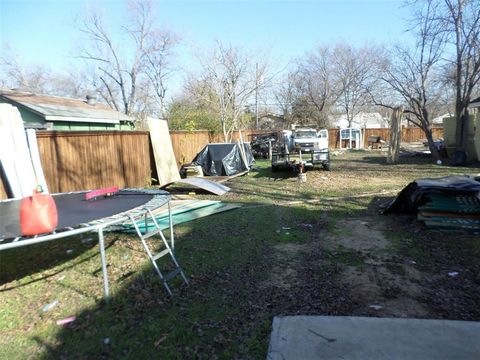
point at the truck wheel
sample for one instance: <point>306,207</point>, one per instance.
<point>326,167</point>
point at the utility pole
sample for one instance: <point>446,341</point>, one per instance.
<point>256,95</point>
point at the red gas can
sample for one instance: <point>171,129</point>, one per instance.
<point>38,214</point>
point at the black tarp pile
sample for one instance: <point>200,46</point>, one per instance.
<point>224,159</point>
<point>447,202</point>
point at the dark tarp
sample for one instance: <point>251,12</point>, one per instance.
<point>223,159</point>
<point>73,210</point>
<point>418,192</point>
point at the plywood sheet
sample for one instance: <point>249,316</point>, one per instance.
<point>14,153</point>
<point>163,151</point>
<point>202,183</point>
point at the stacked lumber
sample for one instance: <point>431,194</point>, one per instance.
<point>452,211</point>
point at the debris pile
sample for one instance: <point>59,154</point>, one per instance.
<point>451,202</point>
<point>447,211</point>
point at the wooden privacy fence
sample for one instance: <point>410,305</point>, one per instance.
<point>187,144</point>
<point>74,160</point>
<point>86,160</point>
<point>408,135</point>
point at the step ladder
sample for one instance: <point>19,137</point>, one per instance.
<point>167,251</point>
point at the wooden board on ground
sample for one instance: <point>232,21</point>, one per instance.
<point>14,153</point>
<point>202,183</point>
<point>222,179</point>
<point>165,161</point>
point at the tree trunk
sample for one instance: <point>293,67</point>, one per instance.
<point>395,136</point>
<point>460,155</point>
<point>224,129</point>
<point>431,144</point>
<point>460,129</point>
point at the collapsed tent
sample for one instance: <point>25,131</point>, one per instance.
<point>224,159</point>
<point>447,202</point>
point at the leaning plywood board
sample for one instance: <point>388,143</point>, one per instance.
<point>35,156</point>
<point>14,153</point>
<point>202,183</point>
<point>165,161</point>
<point>6,146</point>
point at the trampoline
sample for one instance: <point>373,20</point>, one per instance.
<point>77,216</point>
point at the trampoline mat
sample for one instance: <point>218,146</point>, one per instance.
<point>72,210</point>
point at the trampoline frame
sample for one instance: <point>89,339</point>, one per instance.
<point>99,226</point>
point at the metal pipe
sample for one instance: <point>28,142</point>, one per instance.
<point>170,221</point>
<point>101,243</point>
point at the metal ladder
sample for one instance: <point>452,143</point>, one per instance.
<point>150,219</point>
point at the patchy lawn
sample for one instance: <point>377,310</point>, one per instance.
<point>318,247</point>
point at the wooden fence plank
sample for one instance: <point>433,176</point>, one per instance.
<point>75,161</point>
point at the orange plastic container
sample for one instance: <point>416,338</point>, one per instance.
<point>38,214</point>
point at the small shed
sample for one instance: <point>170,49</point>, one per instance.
<point>61,113</point>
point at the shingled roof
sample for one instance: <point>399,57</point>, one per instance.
<point>55,108</point>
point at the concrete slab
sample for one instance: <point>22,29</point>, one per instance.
<point>348,337</point>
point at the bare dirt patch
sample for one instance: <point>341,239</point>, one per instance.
<point>379,293</point>
<point>381,285</point>
<point>287,261</point>
<point>360,262</point>
<point>357,234</point>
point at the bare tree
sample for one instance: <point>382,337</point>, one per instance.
<point>335,78</point>
<point>354,77</point>
<point>461,21</point>
<point>413,75</point>
<point>228,81</point>
<point>312,80</point>
<point>18,75</point>
<point>457,23</point>
<point>130,75</point>
<point>284,94</point>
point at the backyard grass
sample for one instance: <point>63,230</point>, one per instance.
<point>319,247</point>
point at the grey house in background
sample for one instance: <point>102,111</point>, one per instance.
<point>60,113</point>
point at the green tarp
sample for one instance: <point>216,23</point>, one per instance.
<point>184,211</point>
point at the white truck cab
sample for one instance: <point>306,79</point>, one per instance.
<point>309,142</point>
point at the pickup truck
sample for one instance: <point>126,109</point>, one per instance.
<point>301,149</point>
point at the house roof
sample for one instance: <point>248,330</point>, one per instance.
<point>54,108</point>
<point>439,119</point>
<point>475,102</point>
<point>362,120</point>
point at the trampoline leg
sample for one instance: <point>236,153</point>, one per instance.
<point>104,264</point>
<point>170,221</point>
